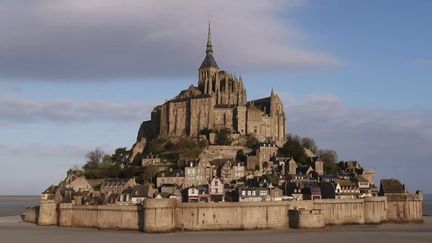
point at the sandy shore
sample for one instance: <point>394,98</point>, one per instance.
<point>13,230</point>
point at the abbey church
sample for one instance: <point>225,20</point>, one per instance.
<point>219,101</point>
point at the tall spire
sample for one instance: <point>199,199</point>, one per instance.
<point>209,49</point>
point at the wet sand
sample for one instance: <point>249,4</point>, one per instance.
<point>13,230</point>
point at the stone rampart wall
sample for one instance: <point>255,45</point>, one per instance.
<point>163,215</point>
<point>403,210</point>
<point>32,214</point>
<point>122,217</point>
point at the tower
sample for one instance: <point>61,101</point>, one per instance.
<point>319,167</point>
<point>208,67</point>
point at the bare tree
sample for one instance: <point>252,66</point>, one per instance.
<point>310,144</point>
<point>94,158</point>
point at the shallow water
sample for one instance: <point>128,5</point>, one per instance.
<point>15,205</point>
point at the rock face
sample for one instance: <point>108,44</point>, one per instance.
<point>137,148</point>
<point>219,101</point>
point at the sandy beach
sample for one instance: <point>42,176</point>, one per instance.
<point>13,230</point>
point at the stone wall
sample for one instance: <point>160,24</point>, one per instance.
<point>163,215</point>
<point>32,214</point>
<point>404,208</point>
<point>375,210</point>
<point>122,217</point>
<point>48,213</point>
<point>223,152</point>
<point>235,216</point>
<point>306,218</point>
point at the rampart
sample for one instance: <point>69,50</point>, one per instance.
<point>164,215</point>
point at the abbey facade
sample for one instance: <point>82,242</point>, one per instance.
<point>218,101</point>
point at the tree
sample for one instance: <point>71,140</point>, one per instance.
<point>251,141</point>
<point>120,156</point>
<point>94,158</point>
<point>292,148</point>
<point>223,137</point>
<point>240,156</point>
<point>156,146</point>
<point>310,144</point>
<point>206,131</point>
<point>329,157</point>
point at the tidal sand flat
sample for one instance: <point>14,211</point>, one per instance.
<point>13,230</point>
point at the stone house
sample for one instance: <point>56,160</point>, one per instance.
<point>276,194</point>
<point>293,190</point>
<point>225,172</point>
<point>238,171</point>
<point>192,194</point>
<point>207,168</point>
<point>116,185</point>
<point>364,186</point>
<point>195,175</point>
<point>391,186</point>
<point>176,179</point>
<point>346,189</point>
<point>137,194</point>
<point>216,190</point>
<point>311,191</point>
<point>49,193</point>
<point>81,184</point>
<point>252,194</point>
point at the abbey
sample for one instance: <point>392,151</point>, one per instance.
<point>219,101</point>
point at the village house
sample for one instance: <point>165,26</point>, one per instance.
<point>311,191</point>
<point>346,189</point>
<point>391,186</point>
<point>116,185</point>
<point>195,175</point>
<point>216,190</point>
<point>176,178</point>
<point>81,184</point>
<point>255,194</point>
<point>364,186</point>
<point>49,193</point>
<point>238,171</point>
<point>136,194</point>
<point>276,194</point>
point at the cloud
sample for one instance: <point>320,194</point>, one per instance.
<point>396,143</point>
<point>142,39</point>
<point>16,110</point>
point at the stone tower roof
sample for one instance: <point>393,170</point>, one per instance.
<point>209,60</point>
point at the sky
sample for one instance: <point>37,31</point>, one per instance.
<point>77,75</point>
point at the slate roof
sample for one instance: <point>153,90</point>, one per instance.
<point>209,61</point>
<point>391,186</point>
<point>141,191</point>
<point>262,103</point>
<point>345,183</point>
<point>50,190</point>
<point>362,179</point>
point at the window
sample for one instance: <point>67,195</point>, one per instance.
<point>243,193</point>
<point>216,183</point>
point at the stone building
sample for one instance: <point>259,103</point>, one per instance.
<point>219,101</point>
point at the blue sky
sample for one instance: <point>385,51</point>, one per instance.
<point>354,75</point>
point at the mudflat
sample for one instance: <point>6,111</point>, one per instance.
<point>12,229</point>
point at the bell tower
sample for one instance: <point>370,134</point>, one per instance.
<point>208,67</point>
